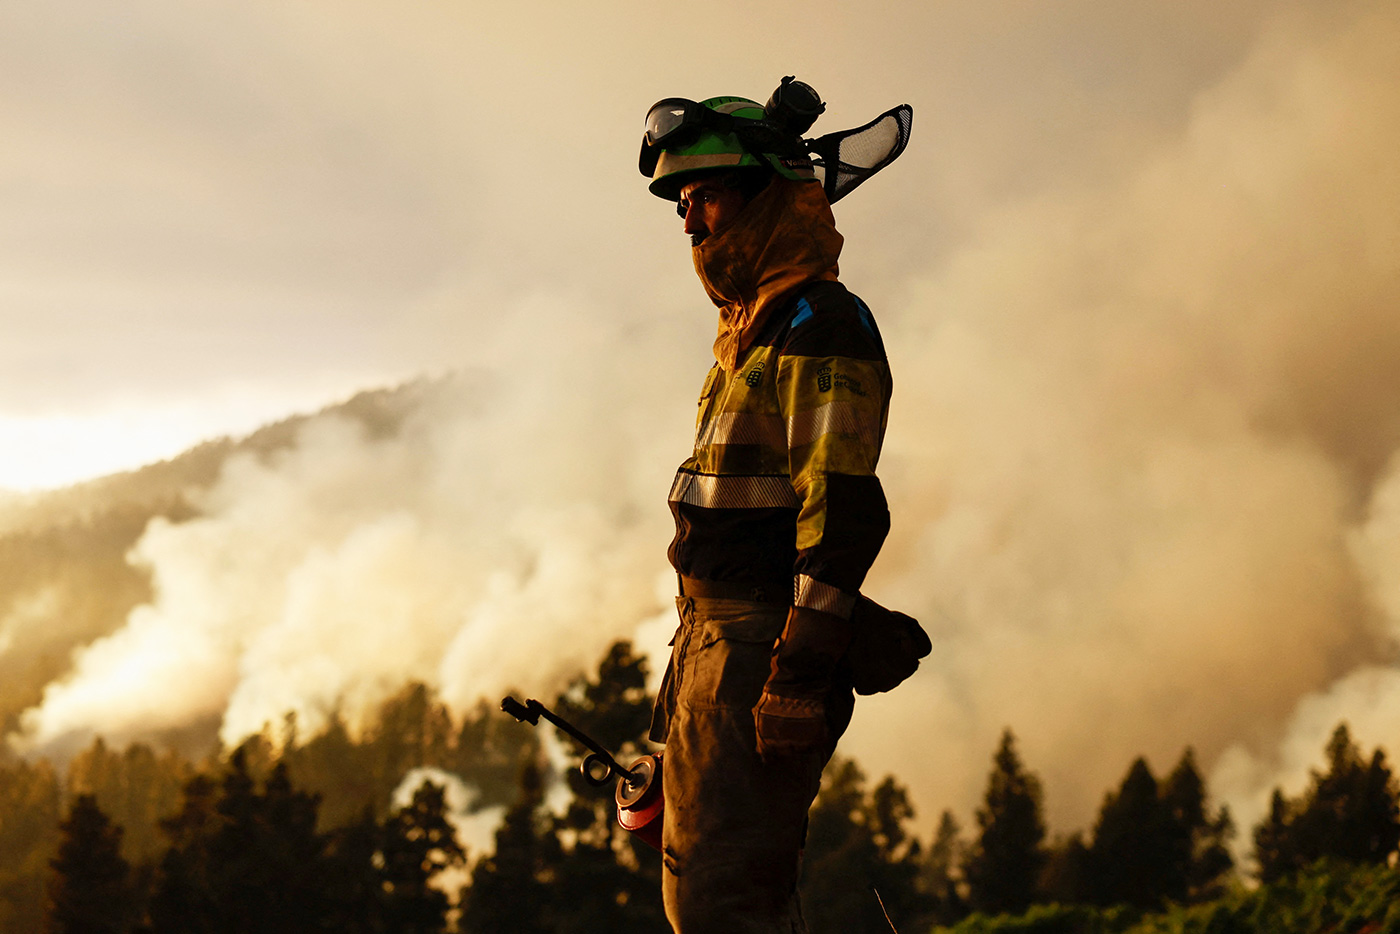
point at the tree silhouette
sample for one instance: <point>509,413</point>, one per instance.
<point>1156,842</point>
<point>613,707</point>
<point>184,901</point>
<point>510,891</point>
<point>856,843</point>
<point>353,883</point>
<point>340,768</point>
<point>1005,863</point>
<point>1350,812</point>
<point>489,752</point>
<point>1067,876</point>
<point>1197,841</point>
<point>29,816</point>
<point>941,878</point>
<point>1129,857</point>
<point>577,872</point>
<point>840,854</point>
<point>593,886</point>
<point>90,891</point>
<point>414,729</point>
<point>418,843</point>
<point>605,879</point>
<point>1273,847</point>
<point>246,860</point>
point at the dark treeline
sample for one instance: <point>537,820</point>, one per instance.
<point>293,834</point>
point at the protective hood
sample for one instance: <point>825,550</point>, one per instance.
<point>783,239</point>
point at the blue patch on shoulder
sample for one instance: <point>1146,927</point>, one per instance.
<point>804,311</point>
<point>865,317</point>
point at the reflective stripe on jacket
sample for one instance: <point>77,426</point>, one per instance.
<point>782,478</point>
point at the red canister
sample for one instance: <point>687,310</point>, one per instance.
<point>640,803</point>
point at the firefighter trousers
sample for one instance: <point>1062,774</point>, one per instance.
<point>734,826</point>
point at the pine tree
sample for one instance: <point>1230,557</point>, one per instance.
<point>489,752</point>
<point>1197,841</point>
<point>90,891</point>
<point>30,811</point>
<point>510,891</point>
<point>941,876</point>
<point>605,879</point>
<point>1157,842</point>
<point>353,883</point>
<point>1273,848</point>
<point>578,872</point>
<point>184,900</point>
<point>243,859</point>
<point>340,770</point>
<point>591,889</point>
<point>858,845</point>
<point>899,857</point>
<point>840,855</point>
<point>1005,863</point>
<point>418,843</point>
<point>1066,878</point>
<point>1129,857</point>
<point>1350,812</point>
<point>293,880</point>
<point>614,707</point>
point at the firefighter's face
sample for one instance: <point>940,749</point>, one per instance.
<point>709,207</point>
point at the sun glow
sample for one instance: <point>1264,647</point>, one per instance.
<point>45,452</point>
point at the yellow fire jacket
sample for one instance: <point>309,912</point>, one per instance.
<point>782,478</point>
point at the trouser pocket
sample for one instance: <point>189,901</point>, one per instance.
<point>727,656</point>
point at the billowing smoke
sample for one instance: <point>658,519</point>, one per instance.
<point>1139,462</point>
<point>1139,438</point>
<point>502,538</point>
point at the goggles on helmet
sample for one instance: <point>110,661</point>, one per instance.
<point>674,119</point>
<point>676,122</point>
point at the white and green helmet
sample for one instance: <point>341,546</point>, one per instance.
<point>684,140</point>
<point>695,139</point>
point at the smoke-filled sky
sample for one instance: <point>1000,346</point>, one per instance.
<point>1138,274</point>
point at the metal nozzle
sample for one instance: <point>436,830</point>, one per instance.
<point>531,711</point>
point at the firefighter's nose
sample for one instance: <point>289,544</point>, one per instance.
<point>694,219</point>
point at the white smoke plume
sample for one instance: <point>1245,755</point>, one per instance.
<point>493,543</point>
<point>1134,442</point>
<point>1138,463</point>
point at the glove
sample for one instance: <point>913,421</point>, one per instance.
<point>790,717</point>
<point>885,649</point>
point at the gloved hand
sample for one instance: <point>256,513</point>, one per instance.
<point>790,716</point>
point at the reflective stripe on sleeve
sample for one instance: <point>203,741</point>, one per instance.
<point>843,418</point>
<point>712,492</point>
<point>815,595</point>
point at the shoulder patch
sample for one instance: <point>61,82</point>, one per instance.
<point>865,316</point>
<point>804,311</point>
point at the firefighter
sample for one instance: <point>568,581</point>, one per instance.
<point>778,511</point>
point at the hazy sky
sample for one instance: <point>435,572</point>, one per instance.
<point>213,213</point>
<point>1137,272</point>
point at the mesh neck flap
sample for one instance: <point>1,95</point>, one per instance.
<point>846,158</point>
